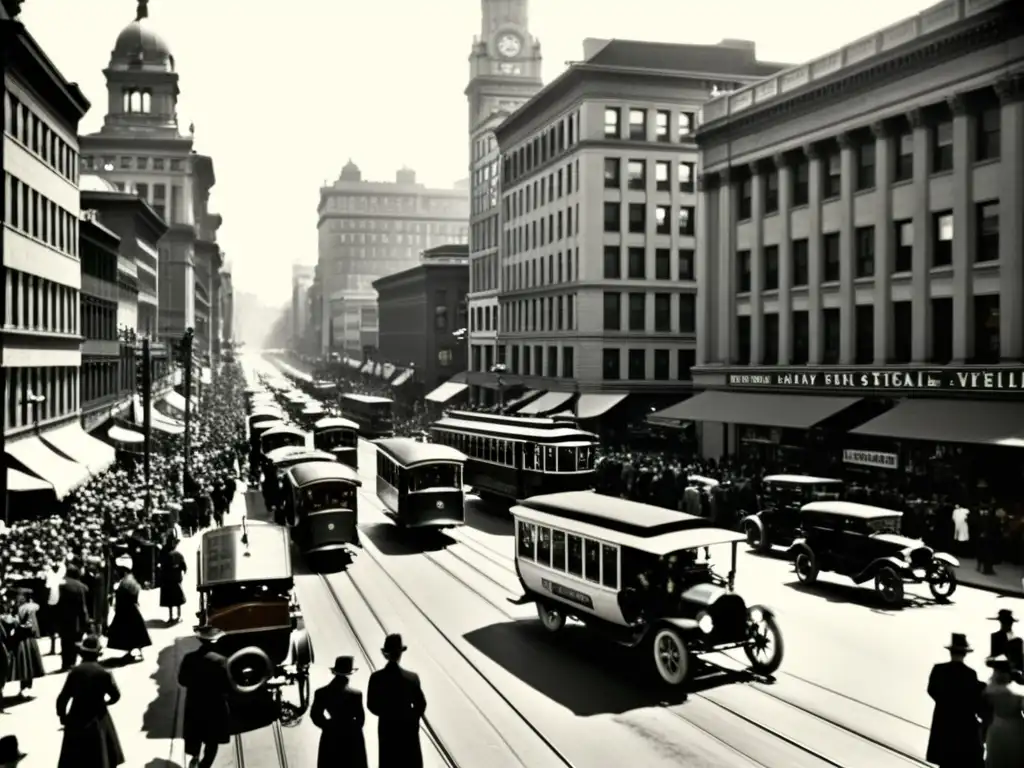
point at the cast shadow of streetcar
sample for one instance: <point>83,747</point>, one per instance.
<point>863,596</point>
<point>316,563</point>
<point>394,541</point>
<point>587,675</point>
<point>489,516</point>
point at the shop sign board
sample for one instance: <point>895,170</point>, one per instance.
<point>871,459</point>
<point>889,379</point>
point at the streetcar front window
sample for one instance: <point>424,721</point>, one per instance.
<point>434,476</point>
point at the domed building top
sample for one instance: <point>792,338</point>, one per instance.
<point>90,182</point>
<point>138,45</point>
<point>351,172</point>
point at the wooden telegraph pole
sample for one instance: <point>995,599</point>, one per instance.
<point>145,378</point>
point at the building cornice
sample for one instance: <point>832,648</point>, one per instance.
<point>24,58</point>
<point>133,142</point>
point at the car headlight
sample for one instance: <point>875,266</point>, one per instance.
<point>756,615</point>
<point>705,623</point>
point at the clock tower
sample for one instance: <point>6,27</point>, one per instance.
<point>504,73</point>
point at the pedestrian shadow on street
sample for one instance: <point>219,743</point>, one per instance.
<point>862,596</point>
<point>159,623</point>
<point>396,542</point>
<point>160,720</point>
<point>325,563</point>
<point>159,762</point>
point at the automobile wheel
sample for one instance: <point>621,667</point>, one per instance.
<point>764,646</point>
<point>671,657</point>
<point>889,586</point>
<point>551,619</point>
<point>942,581</point>
<point>806,568</point>
<point>757,539</point>
<point>249,669</point>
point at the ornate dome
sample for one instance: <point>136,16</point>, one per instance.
<point>139,44</point>
<point>351,172</point>
<point>90,182</point>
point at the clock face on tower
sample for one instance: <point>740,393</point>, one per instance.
<point>509,45</point>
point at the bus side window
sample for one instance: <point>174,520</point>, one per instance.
<point>550,462</point>
<point>529,453</point>
<point>526,540</point>
<point>592,571</point>
<point>544,546</point>
<point>575,556</point>
<point>558,550</point>
<point>610,566</point>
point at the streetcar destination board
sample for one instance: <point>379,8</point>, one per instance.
<point>937,379</point>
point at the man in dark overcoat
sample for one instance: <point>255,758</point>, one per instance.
<point>337,711</point>
<point>955,739</point>
<point>90,738</point>
<point>1006,643</point>
<point>207,721</point>
<point>72,616</point>
<point>396,698</point>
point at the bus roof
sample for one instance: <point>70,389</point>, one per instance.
<point>335,422</point>
<point>611,512</point>
<point>319,471</point>
<point>366,398</point>
<point>296,454</point>
<point>409,452</point>
<point>239,554</point>
<point>560,433</point>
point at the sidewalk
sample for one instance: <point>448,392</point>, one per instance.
<point>149,713</point>
<point>1008,578</point>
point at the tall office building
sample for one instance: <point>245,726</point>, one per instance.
<point>504,72</point>
<point>302,279</point>
<point>370,229</point>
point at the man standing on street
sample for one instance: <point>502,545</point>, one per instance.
<point>72,616</point>
<point>207,722</point>
<point>396,698</point>
<point>955,738</point>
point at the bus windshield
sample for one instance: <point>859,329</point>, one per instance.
<point>330,439</point>
<point>434,476</point>
<point>328,496</point>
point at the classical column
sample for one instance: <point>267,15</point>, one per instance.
<point>785,261</point>
<point>964,240</point>
<point>847,258</point>
<point>726,269</point>
<point>885,235</point>
<point>756,266</point>
<point>815,270</point>
<point>920,290</point>
<point>1011,219</point>
<point>705,270</point>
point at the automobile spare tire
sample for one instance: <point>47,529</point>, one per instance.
<point>249,669</point>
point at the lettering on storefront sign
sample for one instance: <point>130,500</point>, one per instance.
<point>871,459</point>
<point>971,380</point>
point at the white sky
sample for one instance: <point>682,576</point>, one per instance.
<point>283,94</point>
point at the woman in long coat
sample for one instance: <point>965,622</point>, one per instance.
<point>337,711</point>
<point>25,659</point>
<point>90,737</point>
<point>172,570</point>
<point>128,629</point>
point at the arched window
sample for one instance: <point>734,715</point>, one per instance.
<point>126,100</point>
<point>147,102</point>
<point>135,102</point>
<point>8,109</point>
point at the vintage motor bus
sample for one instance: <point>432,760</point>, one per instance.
<point>322,506</point>
<point>372,414</point>
<point>246,589</point>
<point>340,437</point>
<point>420,484</point>
<point>643,576</point>
<point>511,458</point>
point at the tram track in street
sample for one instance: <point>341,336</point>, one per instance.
<point>250,750</point>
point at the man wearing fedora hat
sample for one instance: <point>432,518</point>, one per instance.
<point>90,737</point>
<point>395,696</point>
<point>1006,643</point>
<point>10,752</point>
<point>955,740</point>
<point>207,721</point>
<point>337,711</point>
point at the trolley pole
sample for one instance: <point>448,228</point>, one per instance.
<point>186,356</point>
<point>147,418</point>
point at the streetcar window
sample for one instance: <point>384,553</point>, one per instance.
<point>575,556</point>
<point>492,450</point>
<point>526,536</point>
<point>550,459</point>
<point>610,566</point>
<point>529,456</point>
<point>567,461</point>
<point>592,550</point>
<point>433,476</point>
<point>558,550</point>
<point>544,546</point>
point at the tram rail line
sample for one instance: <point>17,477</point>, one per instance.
<point>240,752</point>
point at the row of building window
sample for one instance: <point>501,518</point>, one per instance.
<point>486,188</point>
<point>485,318</point>
<point>985,250</point>
<point>550,144</point>
<point>99,318</point>
<point>391,226</point>
<point>124,163</point>
<point>637,267</point>
<point>636,219</point>
<point>35,135</point>
<point>540,360</point>
<point>33,303</point>
<point>39,394</point>
<point>635,308</point>
<point>101,380</point>
<point>636,364</point>
<point>36,216</point>
<point>559,362</point>
<point>546,230</point>
<point>548,313</point>
<point>552,269</point>
<point>636,175</point>
<point>483,272</point>
<point>444,206</point>
<point>985,310</point>
<point>668,126</point>
<point>544,190</point>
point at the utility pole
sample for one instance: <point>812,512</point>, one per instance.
<point>145,379</point>
<point>186,357</point>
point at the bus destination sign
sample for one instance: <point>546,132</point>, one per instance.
<point>941,379</point>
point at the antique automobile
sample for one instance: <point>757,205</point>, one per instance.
<point>246,589</point>
<point>322,507</point>
<point>641,575</point>
<point>420,484</point>
<point>277,463</point>
<point>280,436</point>
<point>338,436</point>
<point>864,544</point>
<point>777,522</point>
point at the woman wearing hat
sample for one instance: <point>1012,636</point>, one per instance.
<point>90,737</point>
<point>955,738</point>
<point>172,572</point>
<point>1004,738</point>
<point>1006,643</point>
<point>337,711</point>
<point>25,660</point>
<point>127,631</point>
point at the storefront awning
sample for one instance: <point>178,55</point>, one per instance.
<point>528,396</point>
<point>126,436</point>
<point>978,422</point>
<point>206,375</point>
<point>546,403</point>
<point>78,445</point>
<point>20,482</point>
<point>593,406</point>
<point>756,409</point>
<point>177,401</point>
<point>446,392</point>
<point>166,427</point>
<point>403,377</point>
<point>63,474</point>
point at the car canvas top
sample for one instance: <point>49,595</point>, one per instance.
<point>799,479</point>
<point>850,509</point>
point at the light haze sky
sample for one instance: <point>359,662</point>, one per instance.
<point>282,94</point>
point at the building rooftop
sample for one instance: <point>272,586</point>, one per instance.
<point>735,57</point>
